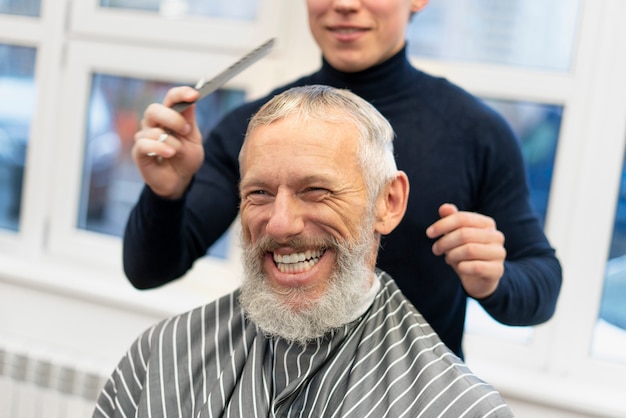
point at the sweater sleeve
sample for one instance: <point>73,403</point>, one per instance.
<point>528,291</point>
<point>151,230</point>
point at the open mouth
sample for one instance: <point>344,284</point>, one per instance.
<point>298,262</point>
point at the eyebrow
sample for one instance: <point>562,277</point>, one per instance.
<point>257,184</point>
<point>308,179</point>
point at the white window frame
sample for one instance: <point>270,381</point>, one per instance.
<point>45,35</point>
<point>89,19</point>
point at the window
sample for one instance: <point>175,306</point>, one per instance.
<point>609,337</point>
<point>20,7</point>
<point>537,127</point>
<point>111,183</point>
<point>525,33</point>
<point>237,25</point>
<point>17,107</point>
<point>228,9</point>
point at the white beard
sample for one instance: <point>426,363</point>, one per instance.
<point>344,294</point>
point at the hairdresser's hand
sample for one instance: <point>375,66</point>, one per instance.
<point>472,246</point>
<point>181,152</point>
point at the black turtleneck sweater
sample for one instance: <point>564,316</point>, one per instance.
<point>452,147</point>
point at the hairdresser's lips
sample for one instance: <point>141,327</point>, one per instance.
<point>346,33</point>
<point>310,268</point>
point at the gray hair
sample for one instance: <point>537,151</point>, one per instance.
<point>375,149</point>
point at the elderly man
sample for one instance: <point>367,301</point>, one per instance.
<point>315,329</point>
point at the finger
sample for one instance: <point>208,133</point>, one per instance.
<point>165,146</point>
<point>168,140</point>
<point>480,278</point>
<point>460,220</point>
<point>476,252</point>
<point>465,236</point>
<point>146,150</point>
<point>160,116</point>
<point>180,94</point>
<point>444,210</point>
<point>447,209</point>
<point>183,94</point>
<point>148,133</point>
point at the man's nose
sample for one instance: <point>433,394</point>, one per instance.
<point>286,219</point>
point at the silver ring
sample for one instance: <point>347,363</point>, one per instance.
<point>163,137</point>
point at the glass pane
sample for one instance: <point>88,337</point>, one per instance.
<point>20,7</point>
<point>17,106</point>
<point>525,33</point>
<point>537,127</point>
<point>225,9</point>
<point>111,181</point>
<point>610,331</point>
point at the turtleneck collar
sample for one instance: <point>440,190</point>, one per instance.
<point>381,80</point>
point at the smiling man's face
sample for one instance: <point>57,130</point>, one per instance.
<point>307,223</point>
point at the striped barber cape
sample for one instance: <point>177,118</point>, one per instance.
<point>213,362</point>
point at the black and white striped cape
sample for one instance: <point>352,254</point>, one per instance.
<point>212,362</point>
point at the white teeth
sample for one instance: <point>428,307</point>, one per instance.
<point>297,262</point>
<point>297,257</point>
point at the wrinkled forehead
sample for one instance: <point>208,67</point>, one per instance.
<point>297,134</point>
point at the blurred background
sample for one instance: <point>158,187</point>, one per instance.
<point>75,78</point>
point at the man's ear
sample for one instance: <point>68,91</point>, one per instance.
<point>391,204</point>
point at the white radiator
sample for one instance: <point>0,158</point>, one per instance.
<point>40,382</point>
